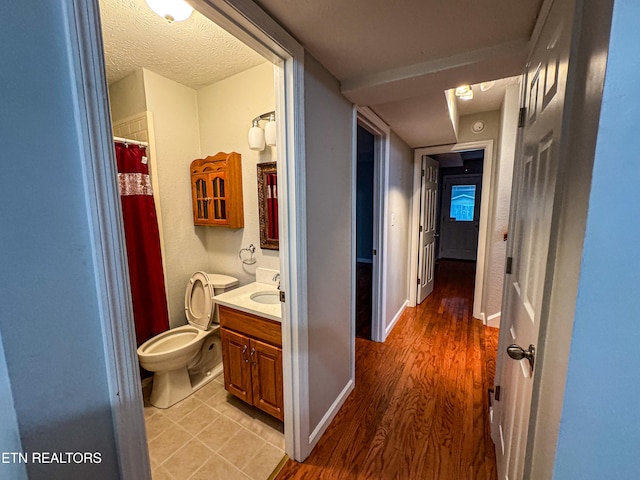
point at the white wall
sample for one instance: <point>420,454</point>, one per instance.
<point>491,130</point>
<point>226,109</point>
<point>126,96</point>
<point>329,147</point>
<point>500,202</point>
<point>50,322</point>
<point>190,124</point>
<point>398,217</point>
<point>177,140</point>
<point>492,278</point>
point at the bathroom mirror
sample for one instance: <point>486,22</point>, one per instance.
<point>268,205</point>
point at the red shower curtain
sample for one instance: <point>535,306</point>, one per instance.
<point>143,242</point>
<point>272,205</point>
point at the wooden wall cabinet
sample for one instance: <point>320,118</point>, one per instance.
<point>216,190</point>
<point>252,359</point>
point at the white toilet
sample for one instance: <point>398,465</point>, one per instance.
<point>186,358</point>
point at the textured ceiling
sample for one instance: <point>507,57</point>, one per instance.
<point>195,52</point>
<point>398,57</point>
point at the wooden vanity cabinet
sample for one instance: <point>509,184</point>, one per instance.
<point>216,190</point>
<point>252,359</point>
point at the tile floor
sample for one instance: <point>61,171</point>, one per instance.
<point>212,435</point>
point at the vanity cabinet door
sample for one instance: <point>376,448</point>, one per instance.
<point>266,374</point>
<point>252,359</point>
<point>237,369</point>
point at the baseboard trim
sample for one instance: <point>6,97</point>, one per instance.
<point>395,319</point>
<point>331,413</point>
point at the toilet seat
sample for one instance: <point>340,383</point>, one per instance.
<point>198,297</point>
<point>198,300</point>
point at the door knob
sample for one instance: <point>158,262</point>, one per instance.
<point>518,353</point>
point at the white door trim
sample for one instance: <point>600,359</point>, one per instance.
<point>108,249</point>
<point>366,118</point>
<point>245,20</point>
<point>483,230</point>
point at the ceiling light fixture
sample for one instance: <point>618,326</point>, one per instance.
<point>171,10</point>
<point>465,92</point>
<point>258,137</point>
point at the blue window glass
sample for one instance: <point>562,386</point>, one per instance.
<point>463,202</point>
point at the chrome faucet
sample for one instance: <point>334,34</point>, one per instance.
<point>276,277</point>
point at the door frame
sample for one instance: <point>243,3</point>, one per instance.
<point>367,119</point>
<point>485,220</point>
<point>251,25</point>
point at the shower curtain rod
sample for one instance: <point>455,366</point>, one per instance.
<point>131,142</point>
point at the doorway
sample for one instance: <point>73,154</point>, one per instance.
<point>365,173</point>
<point>369,167</point>
<point>171,113</point>
<point>102,197</point>
<point>460,197</point>
<point>450,156</point>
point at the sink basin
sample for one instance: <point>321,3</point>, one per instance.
<point>269,297</point>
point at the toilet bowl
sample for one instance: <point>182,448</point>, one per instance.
<point>186,358</point>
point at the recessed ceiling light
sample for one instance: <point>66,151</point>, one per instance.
<point>465,92</point>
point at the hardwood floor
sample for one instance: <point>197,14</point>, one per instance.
<point>420,406</point>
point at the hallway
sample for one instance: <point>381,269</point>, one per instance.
<point>420,406</point>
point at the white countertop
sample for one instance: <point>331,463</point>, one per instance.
<point>240,299</point>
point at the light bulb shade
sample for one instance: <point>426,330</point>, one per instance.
<point>172,10</point>
<point>270,133</point>
<point>256,138</point>
<point>463,90</point>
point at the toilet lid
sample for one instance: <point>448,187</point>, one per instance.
<point>198,300</point>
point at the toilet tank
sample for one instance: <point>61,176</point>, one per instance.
<point>221,283</point>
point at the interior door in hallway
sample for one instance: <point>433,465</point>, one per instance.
<point>427,241</point>
<point>532,218</point>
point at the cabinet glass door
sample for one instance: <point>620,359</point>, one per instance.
<point>219,199</point>
<point>202,202</point>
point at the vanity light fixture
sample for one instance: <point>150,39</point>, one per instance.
<point>465,92</point>
<point>171,10</point>
<point>258,138</point>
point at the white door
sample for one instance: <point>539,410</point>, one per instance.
<point>427,241</point>
<point>528,286</point>
<point>460,216</point>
